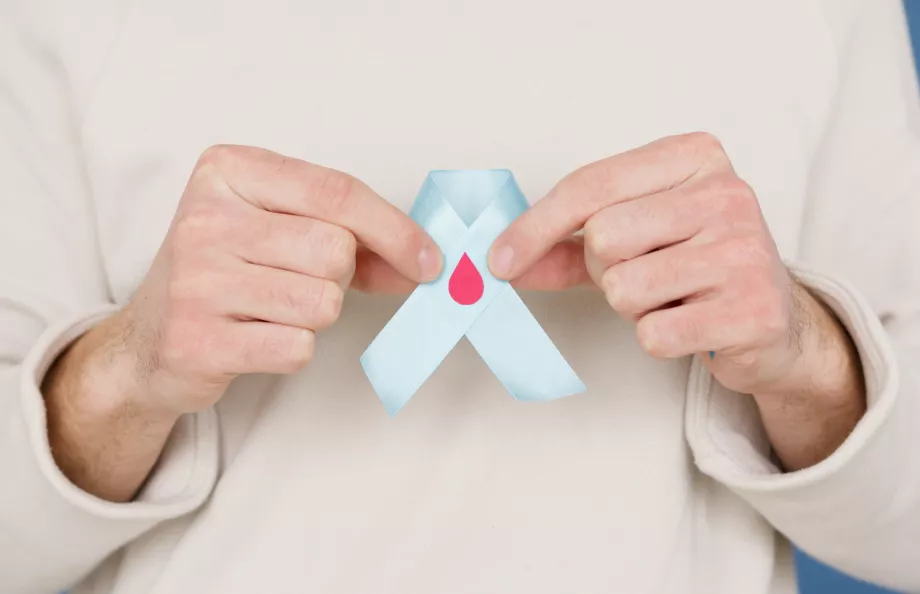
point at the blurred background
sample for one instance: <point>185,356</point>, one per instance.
<point>815,578</point>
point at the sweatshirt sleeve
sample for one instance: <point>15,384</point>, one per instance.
<point>53,288</point>
<point>859,509</point>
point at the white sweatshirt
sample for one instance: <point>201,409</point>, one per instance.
<point>655,480</point>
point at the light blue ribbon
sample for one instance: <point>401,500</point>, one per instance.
<point>464,211</point>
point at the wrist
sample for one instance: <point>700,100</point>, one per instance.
<point>99,377</point>
<point>104,430</point>
<point>817,403</point>
<point>824,366</point>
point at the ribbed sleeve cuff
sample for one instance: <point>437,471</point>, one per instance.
<point>837,507</point>
<point>58,531</point>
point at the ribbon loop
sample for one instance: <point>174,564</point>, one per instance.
<point>464,212</point>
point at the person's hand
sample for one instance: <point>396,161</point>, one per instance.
<point>257,259</point>
<point>678,244</point>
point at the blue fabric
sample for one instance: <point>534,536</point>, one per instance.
<point>913,18</point>
<point>464,211</point>
<point>817,578</point>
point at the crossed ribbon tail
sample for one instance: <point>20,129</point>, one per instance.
<point>464,212</point>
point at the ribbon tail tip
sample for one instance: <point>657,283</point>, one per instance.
<point>575,386</point>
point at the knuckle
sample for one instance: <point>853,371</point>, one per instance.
<point>329,186</point>
<point>617,292</point>
<point>725,185</point>
<point>201,221</point>
<point>705,142</point>
<point>743,190</point>
<point>598,237</point>
<point>192,225</point>
<point>705,149</point>
<point>217,155</point>
<point>289,298</point>
<point>649,336</point>
<point>206,184</point>
<point>298,351</point>
<point>329,305</point>
<point>340,251</point>
<point>592,180</point>
<point>317,303</point>
<point>525,231</point>
<point>734,194</point>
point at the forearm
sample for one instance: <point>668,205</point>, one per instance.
<point>816,408</point>
<point>103,436</point>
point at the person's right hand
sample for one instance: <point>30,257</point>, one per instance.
<point>257,259</point>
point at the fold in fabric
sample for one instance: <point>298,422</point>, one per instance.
<point>464,212</point>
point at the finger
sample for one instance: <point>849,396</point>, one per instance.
<point>696,327</point>
<point>657,279</point>
<point>374,275</point>
<point>282,184</point>
<point>650,169</point>
<point>630,229</point>
<point>263,347</point>
<point>299,244</point>
<point>283,297</point>
<point>562,268</point>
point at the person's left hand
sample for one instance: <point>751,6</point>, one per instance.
<point>678,244</point>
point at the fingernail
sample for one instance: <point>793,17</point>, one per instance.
<point>429,263</point>
<point>501,260</point>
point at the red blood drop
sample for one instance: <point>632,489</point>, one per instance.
<point>465,285</point>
